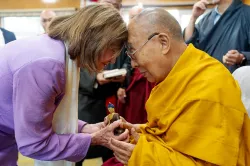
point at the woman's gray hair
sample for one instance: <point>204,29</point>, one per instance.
<point>89,32</point>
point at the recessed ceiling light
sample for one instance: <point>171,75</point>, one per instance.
<point>49,1</point>
<point>140,4</point>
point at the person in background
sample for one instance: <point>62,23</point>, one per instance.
<point>95,91</point>
<point>116,3</point>
<point>6,37</point>
<point>224,33</point>
<point>131,101</point>
<point>194,117</point>
<point>34,70</point>
<point>46,17</point>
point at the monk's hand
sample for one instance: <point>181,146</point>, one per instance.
<point>92,128</point>
<point>135,135</point>
<point>103,136</point>
<point>121,94</point>
<point>123,150</point>
<point>233,57</point>
<point>129,126</point>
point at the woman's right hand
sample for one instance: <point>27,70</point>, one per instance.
<point>103,136</point>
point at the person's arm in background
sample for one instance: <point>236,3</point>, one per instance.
<point>37,87</point>
<point>191,32</point>
<point>234,57</point>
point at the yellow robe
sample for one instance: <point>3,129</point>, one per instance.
<point>195,117</point>
<point>247,2</point>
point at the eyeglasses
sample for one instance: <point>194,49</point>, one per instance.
<point>131,54</point>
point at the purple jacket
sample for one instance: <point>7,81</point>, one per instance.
<point>32,79</point>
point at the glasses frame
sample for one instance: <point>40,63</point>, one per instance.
<point>131,54</point>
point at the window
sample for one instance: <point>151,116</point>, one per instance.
<point>23,26</point>
<point>26,23</point>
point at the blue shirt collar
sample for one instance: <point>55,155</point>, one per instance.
<point>216,11</point>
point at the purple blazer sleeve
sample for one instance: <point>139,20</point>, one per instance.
<point>38,87</point>
<point>81,124</point>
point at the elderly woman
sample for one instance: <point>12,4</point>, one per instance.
<point>35,75</point>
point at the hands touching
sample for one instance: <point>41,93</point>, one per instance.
<point>103,134</point>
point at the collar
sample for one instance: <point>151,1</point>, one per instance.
<point>216,11</point>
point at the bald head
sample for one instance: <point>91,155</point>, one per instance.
<point>134,11</point>
<point>157,20</point>
<point>46,17</point>
<point>116,3</point>
<point>154,36</point>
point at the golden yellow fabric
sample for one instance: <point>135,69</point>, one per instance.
<point>195,117</point>
<point>247,2</point>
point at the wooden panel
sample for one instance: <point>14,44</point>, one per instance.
<point>34,4</point>
<point>158,2</point>
<point>166,2</point>
<point>148,2</point>
<point>38,4</point>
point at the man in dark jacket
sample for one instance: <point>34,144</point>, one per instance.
<point>223,33</point>
<point>7,36</point>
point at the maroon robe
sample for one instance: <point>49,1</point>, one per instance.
<point>137,94</point>
<point>112,162</point>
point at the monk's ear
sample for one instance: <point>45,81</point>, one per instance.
<point>165,42</point>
